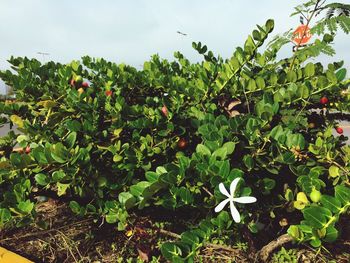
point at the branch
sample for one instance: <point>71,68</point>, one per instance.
<point>209,245</point>
<point>264,253</point>
<point>304,33</point>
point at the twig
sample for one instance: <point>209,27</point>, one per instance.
<point>45,231</point>
<point>170,234</point>
<point>68,247</point>
<point>264,253</point>
<point>208,192</point>
<point>304,33</point>
<point>209,245</point>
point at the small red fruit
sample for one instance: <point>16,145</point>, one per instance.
<point>27,149</point>
<point>165,111</point>
<point>182,143</point>
<point>109,93</point>
<point>324,100</point>
<point>85,84</point>
<point>339,130</point>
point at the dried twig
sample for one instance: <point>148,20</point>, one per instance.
<point>264,253</point>
<point>209,245</point>
<point>45,232</point>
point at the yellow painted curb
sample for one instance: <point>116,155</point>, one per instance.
<point>10,257</point>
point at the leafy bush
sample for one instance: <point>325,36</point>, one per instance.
<point>285,255</point>
<point>111,139</point>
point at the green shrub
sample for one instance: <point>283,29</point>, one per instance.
<point>285,255</point>
<point>111,139</point>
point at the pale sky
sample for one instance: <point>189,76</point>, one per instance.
<point>131,31</point>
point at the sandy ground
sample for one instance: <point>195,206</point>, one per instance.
<point>5,129</point>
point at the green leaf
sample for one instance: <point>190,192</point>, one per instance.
<point>333,171</point>
<point>230,147</point>
<point>221,153</point>
<point>251,85</point>
<point>16,159</point>
<point>289,196</point>
<point>341,74</point>
<point>301,201</point>
<point>294,232</point>
<point>111,218</point>
<point>17,120</point>
<point>299,205</point>
<point>292,76</point>
<point>117,132</point>
<point>26,207</point>
<point>309,70</point>
<point>62,188</point>
<point>342,193</point>
<point>152,176</point>
<point>316,242</point>
<point>331,234</point>
<point>127,199</point>
<point>70,140</point>
<point>202,149</point>
<point>248,161</point>
<point>186,195</point>
<point>39,155</point>
<point>189,238</point>
<point>269,184</point>
<point>42,179</point>
<point>101,181</point>
<point>277,132</point>
<point>117,158</point>
<point>137,190</point>
<point>59,153</point>
<point>58,176</point>
<point>22,138</point>
<point>170,251</point>
<point>288,158</point>
<point>161,170</point>
<point>256,35</point>
<point>75,207</point>
<point>5,216</point>
<point>303,92</point>
<point>73,125</point>
<point>295,140</point>
<point>270,24</point>
<point>331,203</point>
<point>316,216</point>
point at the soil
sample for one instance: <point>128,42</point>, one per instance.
<point>60,236</point>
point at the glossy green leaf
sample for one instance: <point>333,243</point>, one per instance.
<point>42,179</point>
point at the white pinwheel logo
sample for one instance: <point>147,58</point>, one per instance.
<point>230,198</point>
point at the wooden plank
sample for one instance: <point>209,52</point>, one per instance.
<point>7,256</point>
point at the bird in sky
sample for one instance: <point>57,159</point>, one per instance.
<point>181,33</point>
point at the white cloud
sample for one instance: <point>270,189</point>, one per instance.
<point>131,31</point>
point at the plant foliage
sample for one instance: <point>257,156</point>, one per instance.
<point>97,134</point>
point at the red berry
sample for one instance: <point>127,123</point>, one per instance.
<point>324,100</point>
<point>165,111</point>
<point>72,82</point>
<point>27,149</point>
<point>85,84</point>
<point>182,143</point>
<point>339,130</point>
<point>109,93</point>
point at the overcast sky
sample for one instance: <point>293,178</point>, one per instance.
<point>131,31</point>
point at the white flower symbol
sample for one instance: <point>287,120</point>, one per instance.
<point>232,199</point>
